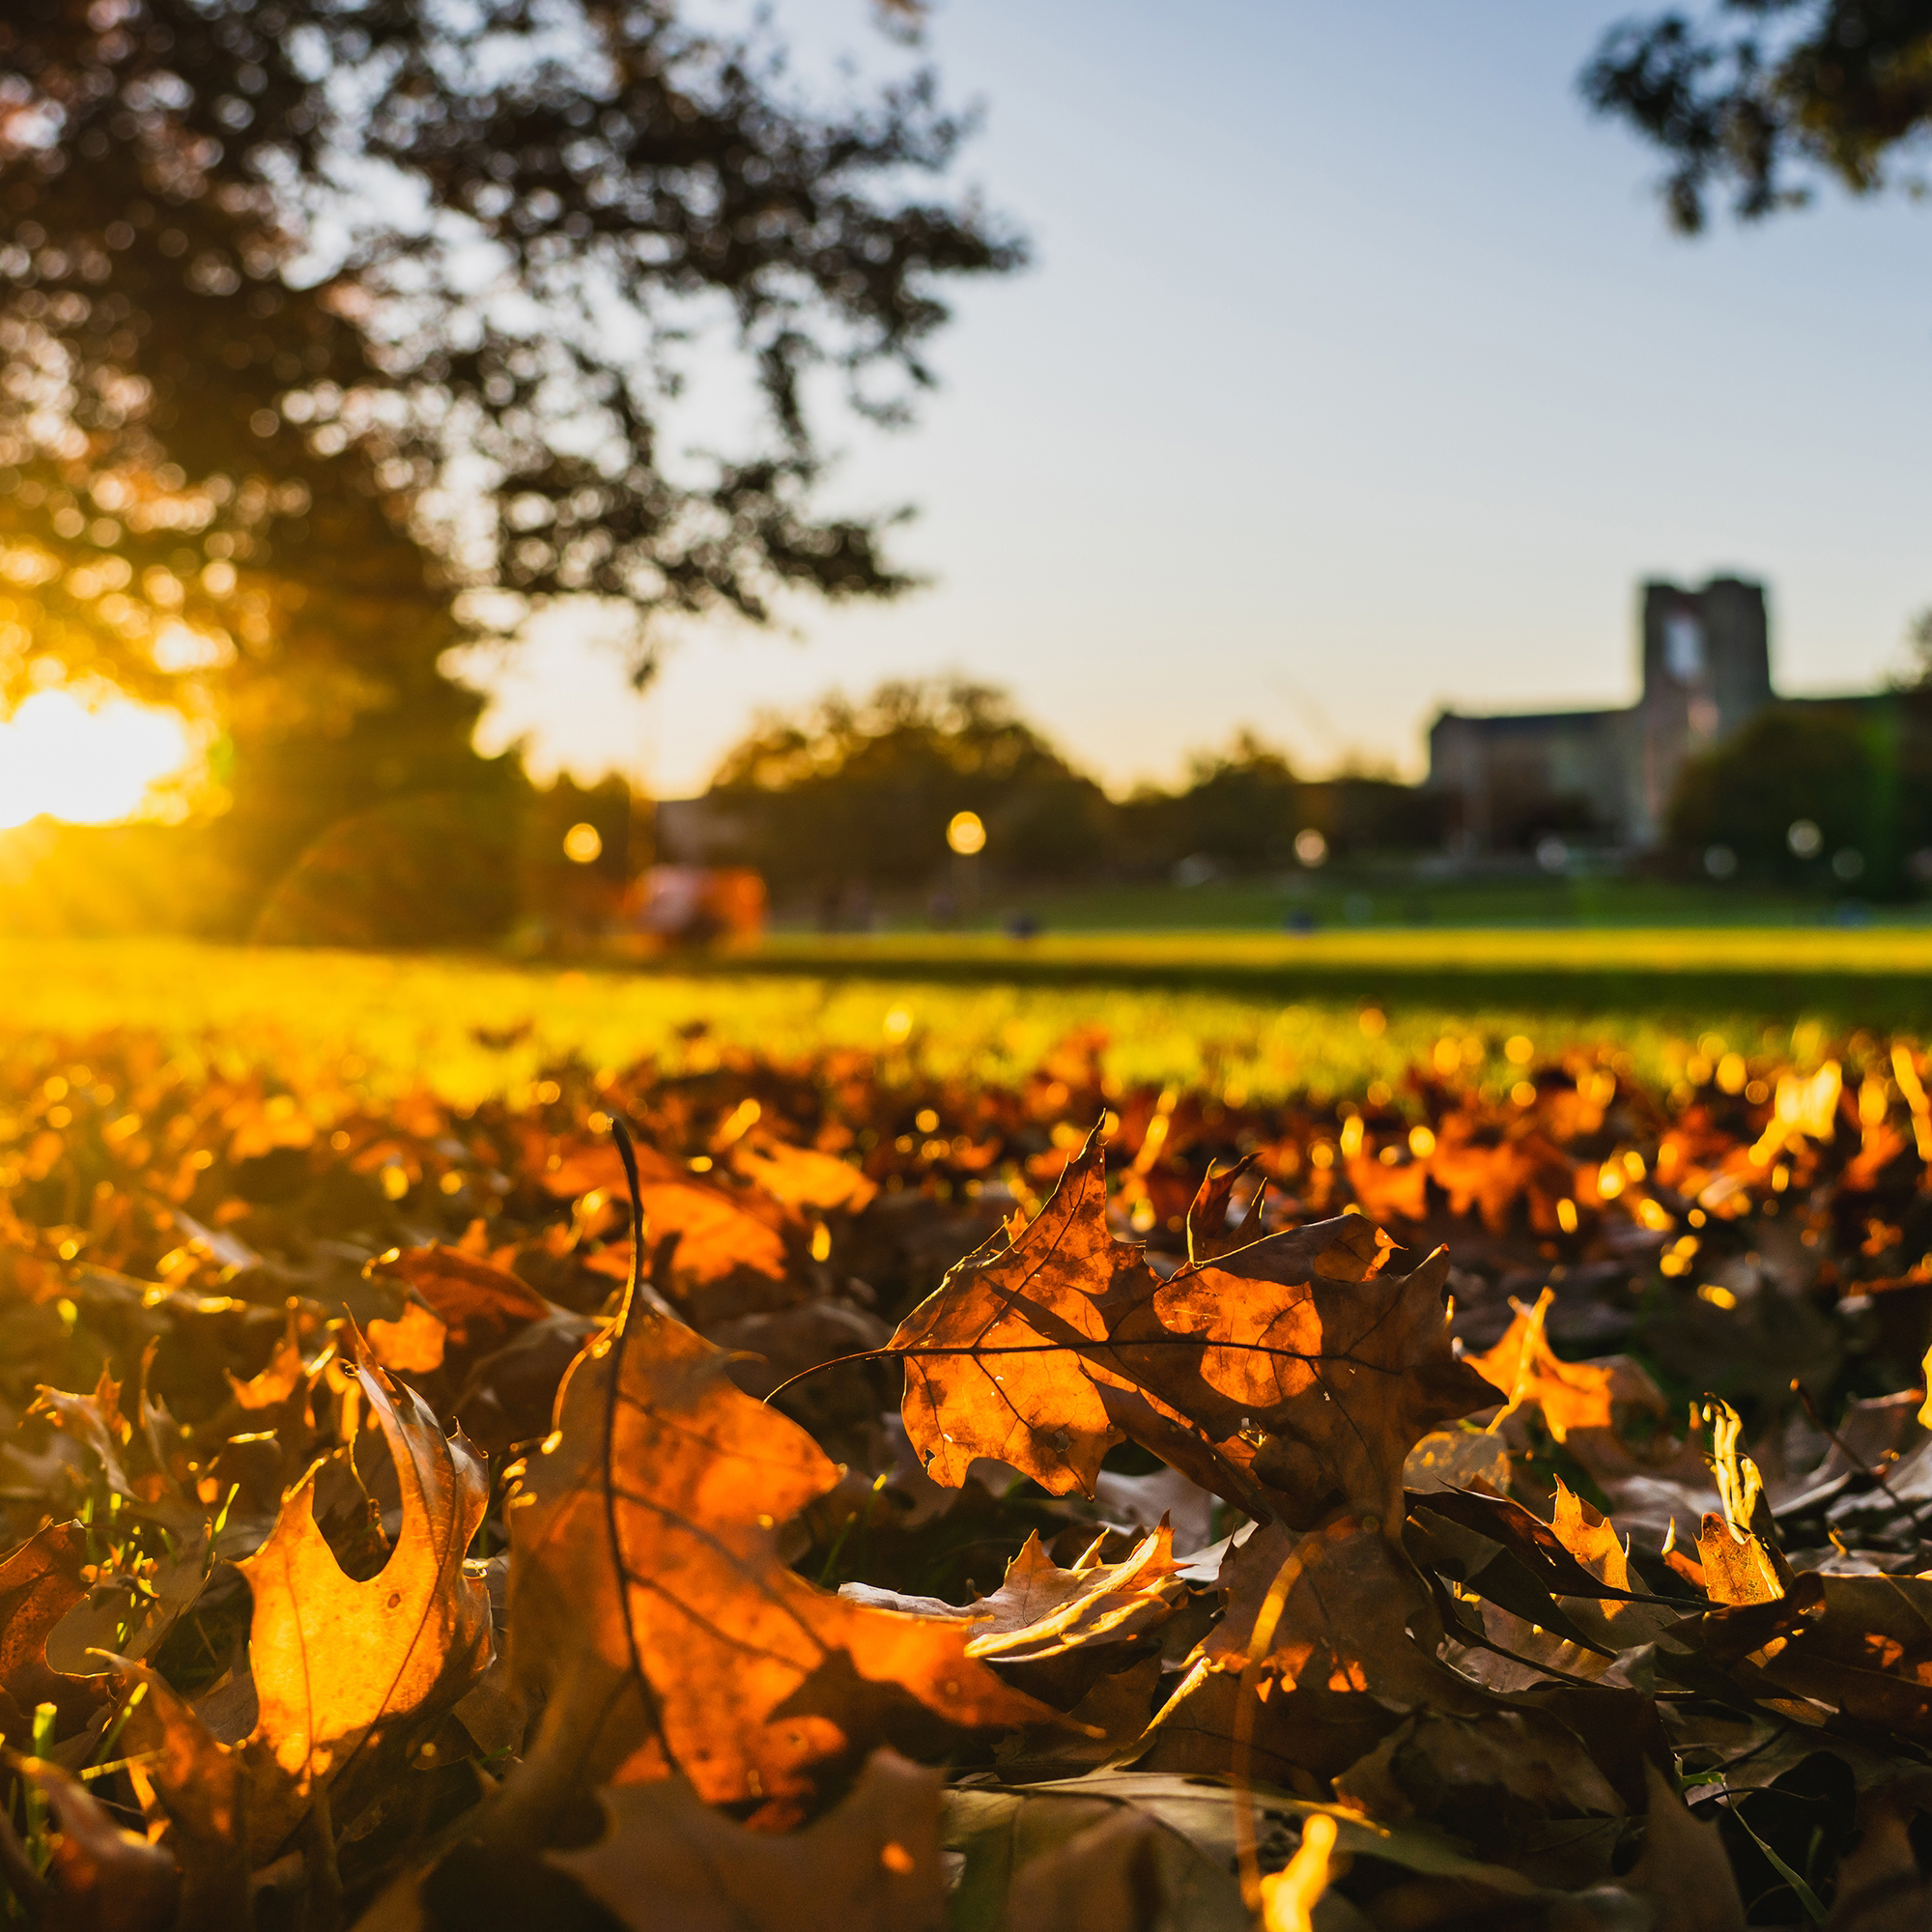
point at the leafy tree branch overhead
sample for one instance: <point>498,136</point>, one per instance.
<point>1761,98</point>
<point>316,295</point>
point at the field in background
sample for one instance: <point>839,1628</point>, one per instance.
<point>1352,897</point>
<point>1259,1015</point>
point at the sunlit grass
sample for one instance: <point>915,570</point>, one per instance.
<point>385,1023</point>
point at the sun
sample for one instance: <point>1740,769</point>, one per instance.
<point>86,764</point>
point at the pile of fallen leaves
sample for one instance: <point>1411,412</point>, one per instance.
<point>887,1503</point>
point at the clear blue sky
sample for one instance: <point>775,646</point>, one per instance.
<point>1357,374</point>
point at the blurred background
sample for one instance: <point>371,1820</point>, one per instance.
<point>615,479</point>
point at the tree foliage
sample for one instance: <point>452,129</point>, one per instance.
<point>866,791</point>
<point>318,316</point>
<point>1762,97</point>
<point>1859,772</point>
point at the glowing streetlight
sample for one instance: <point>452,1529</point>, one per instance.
<point>965,833</point>
<point>582,844</point>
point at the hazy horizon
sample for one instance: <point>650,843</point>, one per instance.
<point>1357,374</point>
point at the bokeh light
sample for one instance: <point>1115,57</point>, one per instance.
<point>582,844</point>
<point>87,764</point>
<point>966,834</point>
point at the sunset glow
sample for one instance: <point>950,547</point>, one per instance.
<point>88,765</point>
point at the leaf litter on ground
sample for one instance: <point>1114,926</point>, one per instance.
<point>894,1501</point>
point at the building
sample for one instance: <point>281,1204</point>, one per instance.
<point>1508,781</point>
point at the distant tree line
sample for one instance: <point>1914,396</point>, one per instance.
<point>862,794</point>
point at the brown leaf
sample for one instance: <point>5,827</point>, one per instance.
<point>412,1344</point>
<point>1683,1871</point>
<point>1208,1232</point>
<point>1516,1785</point>
<point>338,1664</point>
<point>1042,1610</point>
<point>650,1604</point>
<point>480,1306</point>
<point>1352,1653</point>
<point>202,1788</point>
<point>803,1177</point>
<point>1569,1395</point>
<point>284,1373</point>
<point>94,1421</point>
<point>1105,1879</point>
<point>1739,1568</point>
<point>39,1583</point>
<point>98,1877</point>
<point>869,1864</point>
<point>1291,1377</point>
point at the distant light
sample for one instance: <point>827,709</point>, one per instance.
<point>1721,862</point>
<point>965,833</point>
<point>1849,864</point>
<point>1310,847</point>
<point>582,844</point>
<point>1804,838</point>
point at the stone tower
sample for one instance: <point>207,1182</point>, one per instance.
<point>1706,672</point>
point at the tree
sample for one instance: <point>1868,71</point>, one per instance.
<point>863,792</point>
<point>1764,97</point>
<point>334,333</point>
<point>1831,766</point>
<point>1237,809</point>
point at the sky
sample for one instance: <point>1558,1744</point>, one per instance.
<point>1356,375</point>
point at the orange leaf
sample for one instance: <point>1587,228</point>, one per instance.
<point>338,1662</point>
<point>651,1606</point>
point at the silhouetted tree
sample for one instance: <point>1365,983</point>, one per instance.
<point>333,333</point>
<point>1239,809</point>
<point>1791,762</point>
<point>863,792</point>
<point>1763,97</point>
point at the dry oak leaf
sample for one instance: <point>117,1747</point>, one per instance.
<point>39,1583</point>
<point>479,1305</point>
<point>869,1864</point>
<point>803,1177</point>
<point>339,1664</point>
<point>200,1788</point>
<point>1569,1395</point>
<point>1350,1653</point>
<point>99,1878</point>
<point>1291,1377</point>
<point>650,1605</point>
<point>724,1231</point>
<point>1042,1610</point>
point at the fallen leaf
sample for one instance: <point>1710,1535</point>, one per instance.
<point>650,1607</point>
<point>1042,1610</point>
<point>98,1877</point>
<point>803,1177</point>
<point>1292,1375</point>
<point>1568,1395</point>
<point>1106,1879</point>
<point>1682,1872</point>
<point>869,1864</point>
<point>39,1583</point>
<point>201,1788</point>
<point>411,1345</point>
<point>339,1665</point>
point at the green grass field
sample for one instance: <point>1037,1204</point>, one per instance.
<point>1259,1012</point>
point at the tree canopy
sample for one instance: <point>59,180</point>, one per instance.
<point>1762,98</point>
<point>335,331</point>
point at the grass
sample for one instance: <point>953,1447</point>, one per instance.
<point>1364,897</point>
<point>1258,1013</point>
